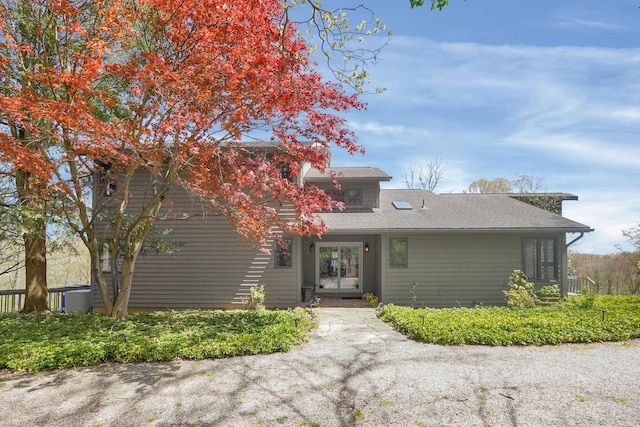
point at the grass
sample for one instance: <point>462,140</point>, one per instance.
<point>575,320</point>
<point>41,342</point>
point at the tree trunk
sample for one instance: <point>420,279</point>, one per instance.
<point>36,300</point>
<point>31,194</point>
<point>121,305</point>
<point>98,275</point>
<point>35,244</point>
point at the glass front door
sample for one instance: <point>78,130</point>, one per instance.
<point>338,266</point>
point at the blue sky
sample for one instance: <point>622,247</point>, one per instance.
<point>503,88</point>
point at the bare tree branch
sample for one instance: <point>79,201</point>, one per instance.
<point>424,177</point>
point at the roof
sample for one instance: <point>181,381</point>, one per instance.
<point>344,174</point>
<point>449,212</point>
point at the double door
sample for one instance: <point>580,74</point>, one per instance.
<point>338,266</point>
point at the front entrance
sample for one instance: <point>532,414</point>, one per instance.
<point>338,267</point>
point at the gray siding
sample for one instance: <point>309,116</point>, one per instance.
<point>212,268</point>
<point>452,269</point>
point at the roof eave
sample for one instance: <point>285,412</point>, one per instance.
<point>452,230</point>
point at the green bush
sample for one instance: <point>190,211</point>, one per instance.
<point>567,322</point>
<point>521,293</point>
<point>586,298</point>
<point>39,342</point>
<point>549,291</point>
<point>257,297</point>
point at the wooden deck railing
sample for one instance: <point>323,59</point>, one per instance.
<point>576,283</point>
<point>12,300</point>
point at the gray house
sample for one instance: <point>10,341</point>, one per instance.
<point>406,246</point>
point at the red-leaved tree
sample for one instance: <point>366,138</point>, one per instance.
<point>170,88</point>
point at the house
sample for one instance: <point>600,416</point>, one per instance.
<point>409,247</point>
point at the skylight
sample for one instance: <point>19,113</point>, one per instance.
<point>401,205</point>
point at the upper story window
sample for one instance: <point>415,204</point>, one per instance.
<point>353,197</point>
<point>285,172</point>
<point>107,182</point>
<point>348,197</point>
<point>539,258</point>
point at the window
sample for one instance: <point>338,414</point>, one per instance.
<point>107,183</point>
<point>398,253</point>
<point>109,186</point>
<point>337,195</point>
<point>285,172</point>
<point>539,260</point>
<point>348,197</point>
<point>283,254</point>
<point>105,258</point>
<point>353,197</point>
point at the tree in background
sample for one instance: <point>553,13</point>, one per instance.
<point>526,188</point>
<point>29,33</point>
<point>632,258</point>
<point>169,89</point>
<point>425,177</point>
<point>496,185</point>
<point>612,274</point>
<point>616,273</point>
<point>11,254</point>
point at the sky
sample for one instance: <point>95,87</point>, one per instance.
<point>504,88</point>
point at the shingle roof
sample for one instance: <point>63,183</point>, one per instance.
<point>342,174</point>
<point>449,212</point>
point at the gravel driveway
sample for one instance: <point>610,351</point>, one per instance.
<point>355,370</point>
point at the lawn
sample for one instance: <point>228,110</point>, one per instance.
<point>579,319</point>
<point>40,342</point>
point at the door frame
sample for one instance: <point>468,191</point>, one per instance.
<point>339,245</point>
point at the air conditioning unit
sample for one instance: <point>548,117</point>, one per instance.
<point>78,301</point>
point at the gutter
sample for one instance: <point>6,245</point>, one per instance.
<point>576,239</point>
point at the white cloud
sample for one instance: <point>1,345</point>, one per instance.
<point>378,128</point>
<point>588,23</point>
<point>630,114</point>
<point>580,148</point>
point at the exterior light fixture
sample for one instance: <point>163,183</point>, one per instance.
<point>312,246</point>
<point>366,247</point>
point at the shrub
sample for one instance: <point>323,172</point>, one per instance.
<point>257,297</point>
<point>37,342</point>
<point>614,318</point>
<point>550,291</point>
<point>586,299</point>
<point>521,293</point>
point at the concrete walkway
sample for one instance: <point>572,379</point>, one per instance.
<point>354,370</point>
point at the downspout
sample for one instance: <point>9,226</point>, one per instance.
<point>566,274</point>
<point>576,239</point>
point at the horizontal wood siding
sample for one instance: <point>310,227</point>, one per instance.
<point>212,267</point>
<point>452,270</point>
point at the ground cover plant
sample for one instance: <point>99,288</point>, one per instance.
<point>38,342</point>
<point>578,319</point>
